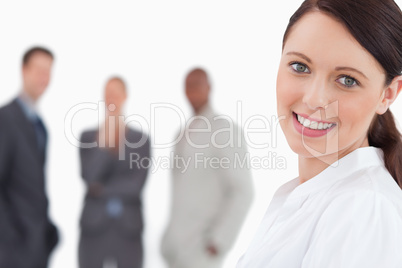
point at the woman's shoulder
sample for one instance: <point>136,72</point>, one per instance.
<point>372,191</point>
<point>362,217</point>
<point>371,182</point>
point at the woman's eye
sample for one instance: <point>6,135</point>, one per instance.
<point>300,68</point>
<point>348,81</point>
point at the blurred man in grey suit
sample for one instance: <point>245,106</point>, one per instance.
<point>27,236</point>
<point>212,193</point>
<point>111,221</point>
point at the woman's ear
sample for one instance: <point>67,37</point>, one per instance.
<point>389,95</point>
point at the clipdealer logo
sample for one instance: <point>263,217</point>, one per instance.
<point>271,161</point>
<point>267,126</point>
<point>254,132</point>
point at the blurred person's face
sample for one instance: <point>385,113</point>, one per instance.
<point>197,89</point>
<point>115,94</point>
<point>36,74</point>
<point>329,88</point>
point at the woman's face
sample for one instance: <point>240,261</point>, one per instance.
<point>329,88</point>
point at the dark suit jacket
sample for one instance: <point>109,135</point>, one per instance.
<point>27,236</point>
<point>119,179</point>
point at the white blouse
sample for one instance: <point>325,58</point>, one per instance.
<point>348,216</point>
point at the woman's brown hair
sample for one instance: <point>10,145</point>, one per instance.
<point>377,26</point>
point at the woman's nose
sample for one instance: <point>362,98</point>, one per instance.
<point>316,94</point>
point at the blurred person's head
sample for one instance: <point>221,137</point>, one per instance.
<point>197,88</point>
<point>36,70</point>
<point>115,95</point>
<point>340,71</point>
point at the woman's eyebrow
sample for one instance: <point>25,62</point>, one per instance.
<point>350,69</point>
<point>301,55</point>
<point>340,68</point>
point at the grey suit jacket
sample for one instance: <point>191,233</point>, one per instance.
<point>120,179</point>
<point>27,236</point>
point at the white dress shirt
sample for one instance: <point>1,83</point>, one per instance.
<point>209,200</point>
<point>348,216</point>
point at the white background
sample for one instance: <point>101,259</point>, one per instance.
<point>152,44</point>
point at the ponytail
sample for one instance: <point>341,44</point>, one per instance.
<point>384,134</point>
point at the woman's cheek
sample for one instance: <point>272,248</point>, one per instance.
<point>353,116</point>
<point>285,94</point>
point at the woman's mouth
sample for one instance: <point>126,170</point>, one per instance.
<point>311,127</point>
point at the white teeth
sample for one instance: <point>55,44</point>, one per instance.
<point>313,124</point>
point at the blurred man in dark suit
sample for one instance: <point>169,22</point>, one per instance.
<point>27,236</point>
<point>111,220</point>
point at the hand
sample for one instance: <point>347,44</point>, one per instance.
<point>212,250</point>
<point>111,136</point>
<point>107,136</point>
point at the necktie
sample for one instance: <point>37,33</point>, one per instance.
<point>41,134</point>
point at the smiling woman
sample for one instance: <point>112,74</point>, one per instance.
<point>340,91</point>
<point>340,71</point>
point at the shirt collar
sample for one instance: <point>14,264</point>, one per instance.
<point>359,159</point>
<point>206,111</point>
<point>28,106</point>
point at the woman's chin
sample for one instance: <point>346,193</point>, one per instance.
<point>307,150</point>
